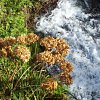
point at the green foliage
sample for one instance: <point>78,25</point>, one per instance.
<point>18,80</point>
<point>12,17</point>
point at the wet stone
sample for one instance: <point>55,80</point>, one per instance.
<point>53,69</point>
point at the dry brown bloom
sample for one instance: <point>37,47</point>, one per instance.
<point>3,53</point>
<point>21,39</point>
<point>9,41</point>
<point>48,42</point>
<point>62,47</point>
<point>45,56</point>
<point>31,38</point>
<point>50,84</point>
<point>27,39</point>
<point>1,42</point>
<point>66,66</point>
<point>66,78</point>
<point>22,53</point>
<point>8,50</point>
<point>59,44</point>
<point>58,57</point>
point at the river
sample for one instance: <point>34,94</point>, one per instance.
<point>69,21</point>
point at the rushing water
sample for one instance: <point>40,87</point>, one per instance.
<point>68,21</point>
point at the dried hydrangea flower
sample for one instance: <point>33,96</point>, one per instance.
<point>45,56</point>
<point>31,38</point>
<point>21,39</point>
<point>8,50</point>
<point>22,53</point>
<point>66,66</point>
<point>50,84</point>
<point>66,78</point>
<point>62,47</point>
<point>9,41</point>
<point>48,42</point>
<point>1,42</point>
<point>27,39</point>
<point>60,44</point>
<point>58,57</point>
<point>3,53</point>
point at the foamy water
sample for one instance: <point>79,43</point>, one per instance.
<point>83,35</point>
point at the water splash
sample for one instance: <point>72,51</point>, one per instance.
<point>68,21</point>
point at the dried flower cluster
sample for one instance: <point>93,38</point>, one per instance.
<point>1,42</point>
<point>66,78</point>
<point>50,84</point>
<point>59,44</point>
<point>9,50</point>
<point>49,57</point>
<point>6,51</point>
<point>3,53</point>
<point>7,41</point>
<point>27,39</point>
<point>66,66</point>
<point>31,38</point>
<point>22,53</point>
<point>58,58</point>
<point>56,50</point>
<point>21,39</point>
<point>5,46</point>
<point>62,47</point>
<point>49,43</point>
<point>46,56</point>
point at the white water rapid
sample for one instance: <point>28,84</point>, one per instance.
<point>68,21</point>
